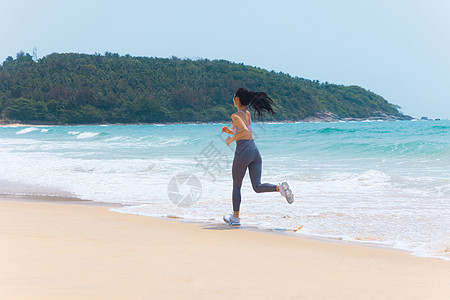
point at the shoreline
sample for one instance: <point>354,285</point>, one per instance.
<point>275,231</point>
<point>65,200</point>
<point>72,251</point>
<point>6,125</point>
<point>290,233</point>
<point>281,232</point>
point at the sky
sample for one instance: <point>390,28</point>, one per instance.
<point>397,49</point>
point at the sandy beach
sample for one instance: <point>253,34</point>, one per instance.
<point>70,251</point>
<point>19,125</point>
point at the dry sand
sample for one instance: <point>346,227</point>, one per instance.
<point>62,251</point>
<point>19,125</point>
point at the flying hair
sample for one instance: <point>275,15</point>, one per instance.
<point>259,101</point>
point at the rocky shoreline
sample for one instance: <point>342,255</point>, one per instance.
<point>325,116</point>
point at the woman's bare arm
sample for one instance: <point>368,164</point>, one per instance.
<point>242,132</point>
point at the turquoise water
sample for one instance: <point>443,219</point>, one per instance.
<point>385,183</point>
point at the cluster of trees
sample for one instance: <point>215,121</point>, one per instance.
<point>89,89</point>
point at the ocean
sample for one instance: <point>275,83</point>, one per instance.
<point>381,183</point>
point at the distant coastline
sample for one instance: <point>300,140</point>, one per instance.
<point>320,118</point>
<point>4,124</point>
<point>73,88</point>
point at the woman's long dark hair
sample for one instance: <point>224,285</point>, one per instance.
<point>259,101</point>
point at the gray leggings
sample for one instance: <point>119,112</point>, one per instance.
<point>247,155</point>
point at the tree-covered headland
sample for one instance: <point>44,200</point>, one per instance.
<point>90,89</point>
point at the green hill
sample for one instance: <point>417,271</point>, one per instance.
<point>80,88</point>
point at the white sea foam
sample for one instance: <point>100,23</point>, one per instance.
<point>87,135</point>
<point>27,130</point>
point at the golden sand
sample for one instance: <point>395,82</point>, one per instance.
<point>63,251</point>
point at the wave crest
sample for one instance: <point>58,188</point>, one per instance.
<point>27,130</point>
<point>87,135</point>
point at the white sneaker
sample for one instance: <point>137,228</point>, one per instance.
<point>286,192</point>
<point>232,221</point>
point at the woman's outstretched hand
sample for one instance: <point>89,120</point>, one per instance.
<point>226,130</point>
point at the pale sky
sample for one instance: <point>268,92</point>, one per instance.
<point>397,49</point>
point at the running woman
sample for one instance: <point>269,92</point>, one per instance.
<point>247,154</point>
